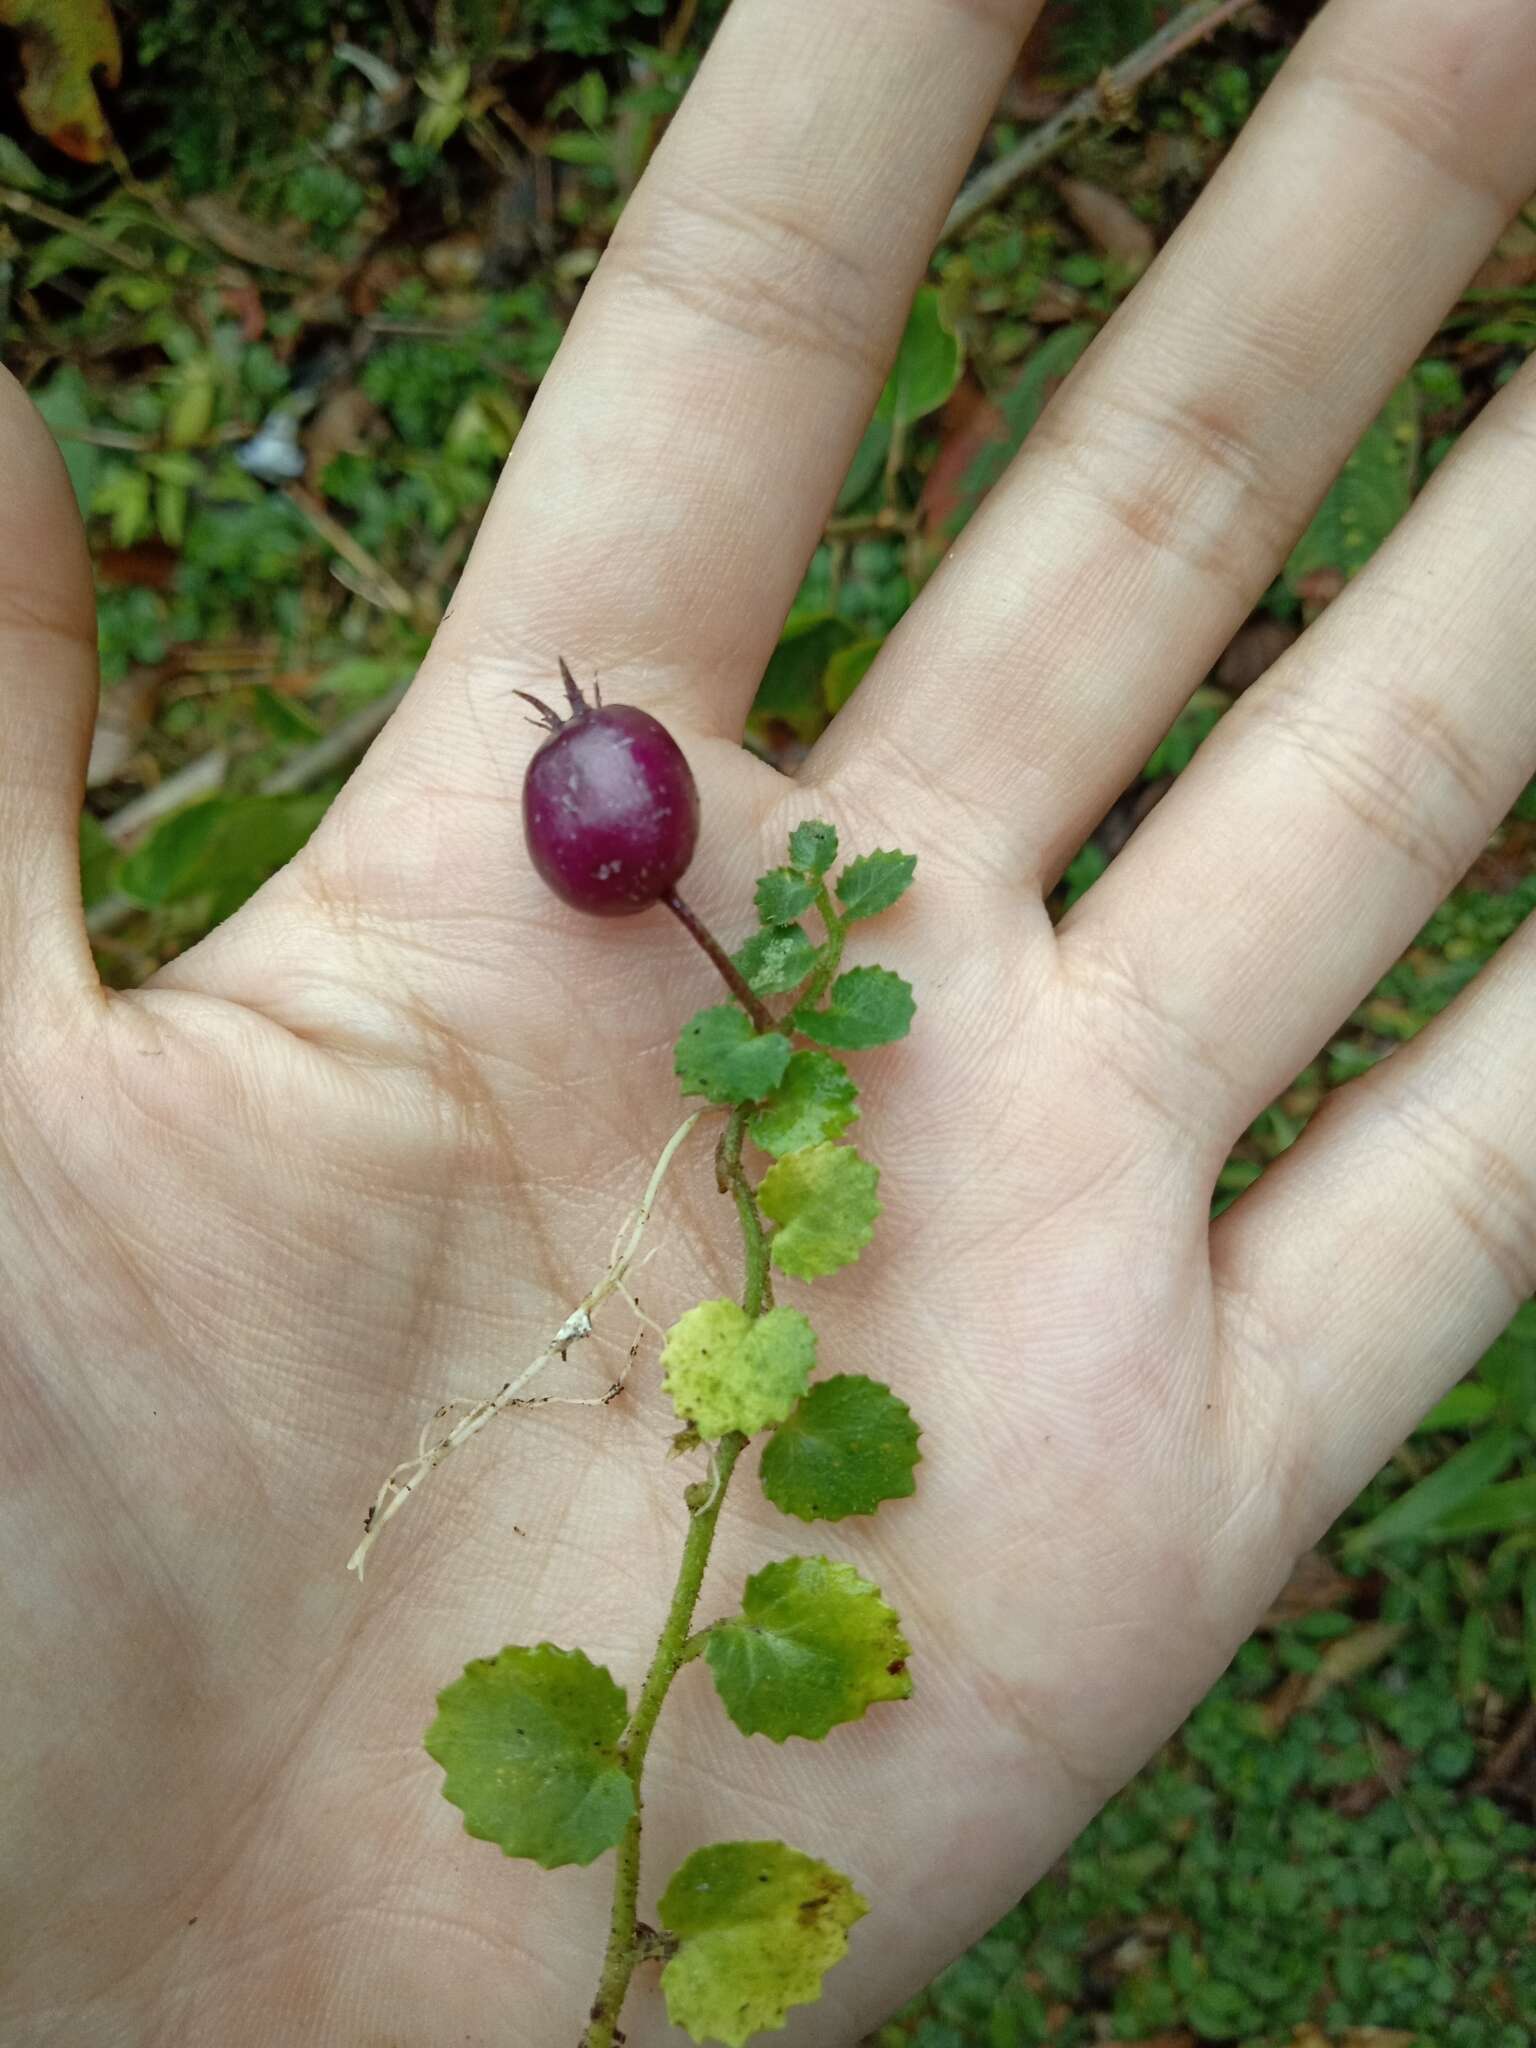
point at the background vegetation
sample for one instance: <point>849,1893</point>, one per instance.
<point>284,292</point>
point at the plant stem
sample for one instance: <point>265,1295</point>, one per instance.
<point>758,1291</point>
<point>730,973</point>
<point>831,951</point>
<point>675,1647</point>
<point>1097,103</point>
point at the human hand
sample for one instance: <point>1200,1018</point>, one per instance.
<point>351,1155</point>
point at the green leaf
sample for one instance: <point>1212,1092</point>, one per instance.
<point>1418,1511</point>
<point>823,1200</point>
<point>222,849</point>
<point>1021,406</point>
<point>1188,733</point>
<point>1373,491</point>
<point>782,894</point>
<point>814,1101</point>
<point>529,1746</point>
<point>814,1646</point>
<point>98,860</point>
<point>1491,1511</point>
<point>1461,1408</point>
<point>17,168</point>
<point>813,845</point>
<point>867,463</point>
<point>777,958</point>
<point>63,403</point>
<point>874,882</point>
<point>927,366</point>
<point>848,1446</point>
<point>866,1006</point>
<point>847,669</point>
<point>721,1057</point>
<point>759,1926</point>
<point>1508,1369</point>
<point>790,692</point>
<point>726,1371</point>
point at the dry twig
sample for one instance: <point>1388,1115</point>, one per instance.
<point>1106,94</point>
<point>412,1474</point>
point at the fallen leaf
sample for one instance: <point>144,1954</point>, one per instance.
<point>63,42</point>
<point>247,240</point>
<point>1055,303</point>
<point>1109,223</point>
<point>1507,862</point>
<point>1352,1656</point>
<point>122,719</point>
<point>149,565</point>
<point>1165,158</point>
<point>338,428</point>
<point>245,302</point>
<point>372,285</point>
<point>1503,1767</point>
<point>1513,262</point>
<point>1285,1700</point>
<point>1313,1586</point>
<point>457,260</point>
<point>970,423</point>
<point>1318,588</point>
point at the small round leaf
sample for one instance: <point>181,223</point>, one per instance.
<point>759,1926</point>
<point>813,1646</point>
<point>528,1741</point>
<point>777,957</point>
<point>848,1446</point>
<point>813,1102</point>
<point>813,845</point>
<point>721,1057</point>
<point>726,1371</point>
<point>874,882</point>
<point>782,894</point>
<point>864,1007</point>
<point>823,1200</point>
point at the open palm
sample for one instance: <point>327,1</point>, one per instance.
<point>360,1150</point>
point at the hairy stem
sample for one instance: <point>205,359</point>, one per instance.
<point>627,1942</point>
<point>729,972</point>
<point>831,951</point>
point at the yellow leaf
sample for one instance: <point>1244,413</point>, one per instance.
<point>62,43</point>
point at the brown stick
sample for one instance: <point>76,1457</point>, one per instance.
<point>1078,115</point>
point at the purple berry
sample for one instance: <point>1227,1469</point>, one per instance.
<point>610,809</point>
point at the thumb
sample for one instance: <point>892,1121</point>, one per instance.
<point>48,681</point>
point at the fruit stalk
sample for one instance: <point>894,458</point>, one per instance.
<point>730,973</point>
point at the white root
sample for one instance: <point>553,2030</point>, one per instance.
<point>409,1477</point>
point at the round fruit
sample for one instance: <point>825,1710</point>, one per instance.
<point>610,808</point>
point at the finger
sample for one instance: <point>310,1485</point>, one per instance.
<point>48,666</point>
<point>1339,801</point>
<point>660,505</point>
<point>1153,503</point>
<point>1417,1185</point>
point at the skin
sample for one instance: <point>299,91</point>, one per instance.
<point>364,1146</point>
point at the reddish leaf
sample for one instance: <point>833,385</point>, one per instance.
<point>1109,223</point>
<point>971,422</point>
<point>63,42</point>
<point>1313,1587</point>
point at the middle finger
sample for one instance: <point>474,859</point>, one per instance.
<point>1158,495</point>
